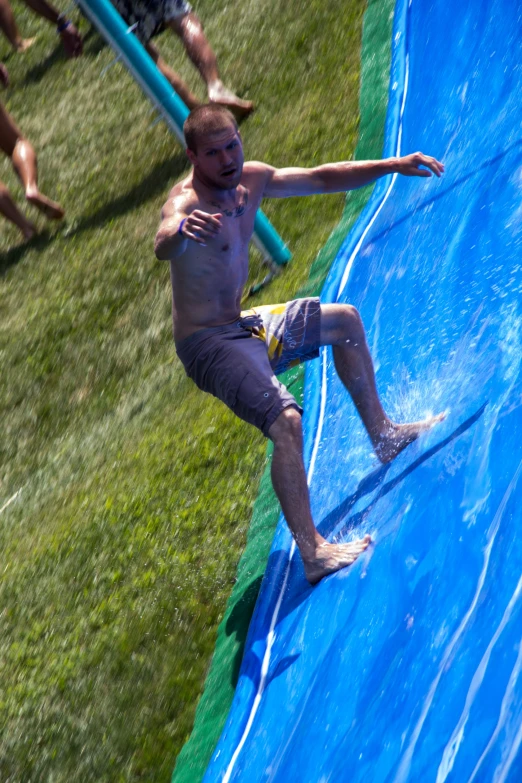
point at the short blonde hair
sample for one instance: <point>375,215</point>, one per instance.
<point>205,120</point>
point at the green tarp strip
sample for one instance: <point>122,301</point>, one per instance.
<point>219,689</point>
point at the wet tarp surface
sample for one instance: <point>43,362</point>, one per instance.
<point>406,666</point>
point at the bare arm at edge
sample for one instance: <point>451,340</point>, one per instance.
<point>169,243</point>
<point>343,176</point>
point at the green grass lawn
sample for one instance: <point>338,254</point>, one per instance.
<point>135,489</point>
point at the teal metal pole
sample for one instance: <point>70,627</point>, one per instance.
<point>131,52</point>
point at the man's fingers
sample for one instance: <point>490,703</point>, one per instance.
<point>420,165</point>
<point>435,166</point>
<point>438,165</point>
<point>214,221</point>
<point>204,218</point>
<point>431,163</point>
<point>194,236</point>
<point>200,227</point>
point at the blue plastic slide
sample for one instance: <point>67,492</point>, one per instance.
<point>407,666</point>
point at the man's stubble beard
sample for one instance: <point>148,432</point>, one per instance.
<point>219,184</point>
<point>228,184</point>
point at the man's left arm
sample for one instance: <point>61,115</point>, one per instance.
<point>348,175</point>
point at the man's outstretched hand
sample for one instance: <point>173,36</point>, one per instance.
<point>410,165</point>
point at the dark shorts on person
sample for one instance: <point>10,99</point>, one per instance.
<point>150,16</point>
<point>238,362</point>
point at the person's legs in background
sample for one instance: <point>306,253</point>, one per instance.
<point>190,30</point>
<point>23,158</point>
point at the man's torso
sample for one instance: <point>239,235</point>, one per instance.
<point>208,280</point>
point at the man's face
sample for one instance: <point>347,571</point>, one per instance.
<point>218,160</point>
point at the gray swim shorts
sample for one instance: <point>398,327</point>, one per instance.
<point>150,15</point>
<point>238,362</point>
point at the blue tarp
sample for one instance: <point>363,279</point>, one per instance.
<point>406,666</point>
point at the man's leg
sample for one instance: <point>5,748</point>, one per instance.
<point>289,480</point>
<point>10,211</point>
<point>71,38</point>
<point>25,165</point>
<point>341,327</point>
<point>190,30</point>
<point>10,30</point>
<point>177,82</point>
<point>23,158</point>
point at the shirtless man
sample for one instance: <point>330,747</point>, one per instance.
<point>206,225</point>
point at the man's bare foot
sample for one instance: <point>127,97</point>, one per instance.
<point>398,436</point>
<point>72,41</point>
<point>51,209</point>
<point>23,44</point>
<point>330,558</point>
<point>218,93</point>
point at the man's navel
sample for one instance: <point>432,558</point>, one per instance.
<point>225,248</point>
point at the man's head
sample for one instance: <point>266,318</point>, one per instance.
<point>214,146</point>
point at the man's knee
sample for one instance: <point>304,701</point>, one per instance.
<point>186,25</point>
<point>349,324</point>
<point>287,426</point>
<point>350,318</point>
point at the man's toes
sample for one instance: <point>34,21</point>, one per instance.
<point>363,543</point>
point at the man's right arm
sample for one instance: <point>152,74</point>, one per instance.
<point>170,241</point>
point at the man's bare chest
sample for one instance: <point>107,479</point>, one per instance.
<point>237,216</point>
<point>232,208</point>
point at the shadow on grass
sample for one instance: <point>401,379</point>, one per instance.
<point>92,44</point>
<point>38,71</point>
<point>15,254</point>
<point>158,180</point>
<point>298,589</point>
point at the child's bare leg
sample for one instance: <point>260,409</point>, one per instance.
<point>10,29</point>
<point>23,158</point>
<point>10,211</point>
<point>25,165</point>
<point>177,82</point>
<point>341,327</point>
<point>289,479</point>
<point>197,46</point>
